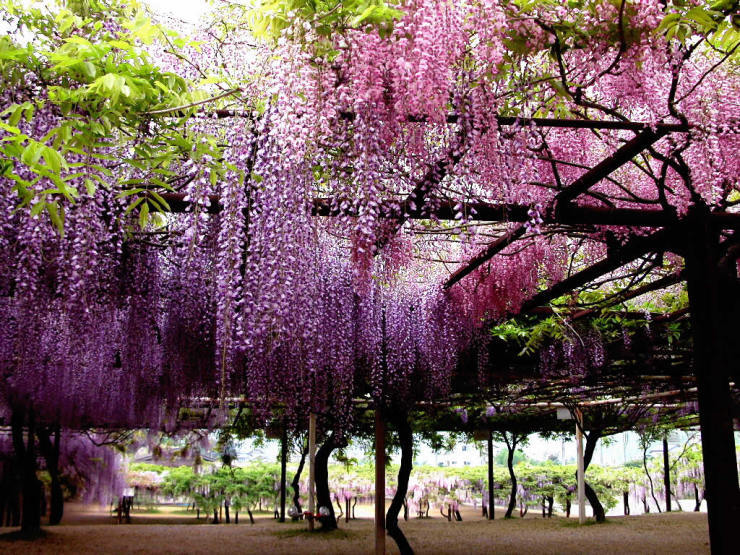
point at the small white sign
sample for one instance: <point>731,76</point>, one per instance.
<point>564,414</point>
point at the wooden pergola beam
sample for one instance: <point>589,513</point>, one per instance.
<point>563,123</point>
<point>481,212</point>
<point>621,156</point>
<point>486,254</point>
<point>633,249</point>
<point>561,204</point>
<point>655,285</point>
<point>417,198</point>
<point>511,212</point>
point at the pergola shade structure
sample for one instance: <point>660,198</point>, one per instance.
<point>358,204</point>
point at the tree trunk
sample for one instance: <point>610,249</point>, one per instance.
<point>697,506</point>
<point>30,484</point>
<point>626,502</point>
<point>491,512</point>
<point>567,507</point>
<point>323,495</point>
<point>10,493</point>
<point>283,468</point>
<point>511,446</point>
<point>296,483</point>
<point>406,440</point>
<point>591,439</point>
<point>666,475</point>
<point>649,477</point>
<point>550,501</point>
<point>251,516</point>
<point>51,455</point>
<point>236,517</point>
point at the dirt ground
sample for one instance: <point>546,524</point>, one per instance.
<point>93,530</point>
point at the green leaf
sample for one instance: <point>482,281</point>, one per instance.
<point>163,203</point>
<point>89,69</point>
<point>76,39</point>
<point>668,21</point>
<point>54,160</point>
<point>129,192</point>
<point>144,215</point>
<point>134,204</point>
<point>90,187</point>
<point>32,153</point>
<point>701,17</point>
<point>123,45</point>
<point>9,128</point>
<point>37,208</point>
<point>56,215</point>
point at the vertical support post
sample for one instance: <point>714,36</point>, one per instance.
<point>666,475</point>
<point>283,468</point>
<point>709,324</point>
<point>490,475</point>
<point>311,468</point>
<point>581,472</point>
<point>379,482</point>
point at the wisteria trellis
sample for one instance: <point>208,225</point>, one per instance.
<point>111,324</point>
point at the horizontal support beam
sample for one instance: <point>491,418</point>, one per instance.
<point>621,156</point>
<point>486,254</point>
<point>484,212</point>
<point>178,204</point>
<point>633,249</point>
<point>434,209</point>
<point>655,285</point>
<point>565,123</point>
<point>510,212</point>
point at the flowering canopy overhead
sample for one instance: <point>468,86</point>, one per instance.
<point>437,132</point>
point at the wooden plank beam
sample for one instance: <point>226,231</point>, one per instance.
<point>561,204</point>
<point>434,175</point>
<point>621,156</point>
<point>655,285</point>
<point>565,123</point>
<point>486,254</point>
<point>511,212</point>
<point>633,249</point>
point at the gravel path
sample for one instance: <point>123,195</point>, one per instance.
<point>93,533</point>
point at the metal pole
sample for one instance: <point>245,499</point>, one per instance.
<point>311,468</point>
<point>490,475</point>
<point>581,472</point>
<point>379,483</point>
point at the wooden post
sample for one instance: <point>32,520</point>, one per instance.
<point>666,475</point>
<point>379,483</point>
<point>581,472</point>
<point>490,475</point>
<point>283,468</point>
<point>710,323</point>
<point>311,468</point>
